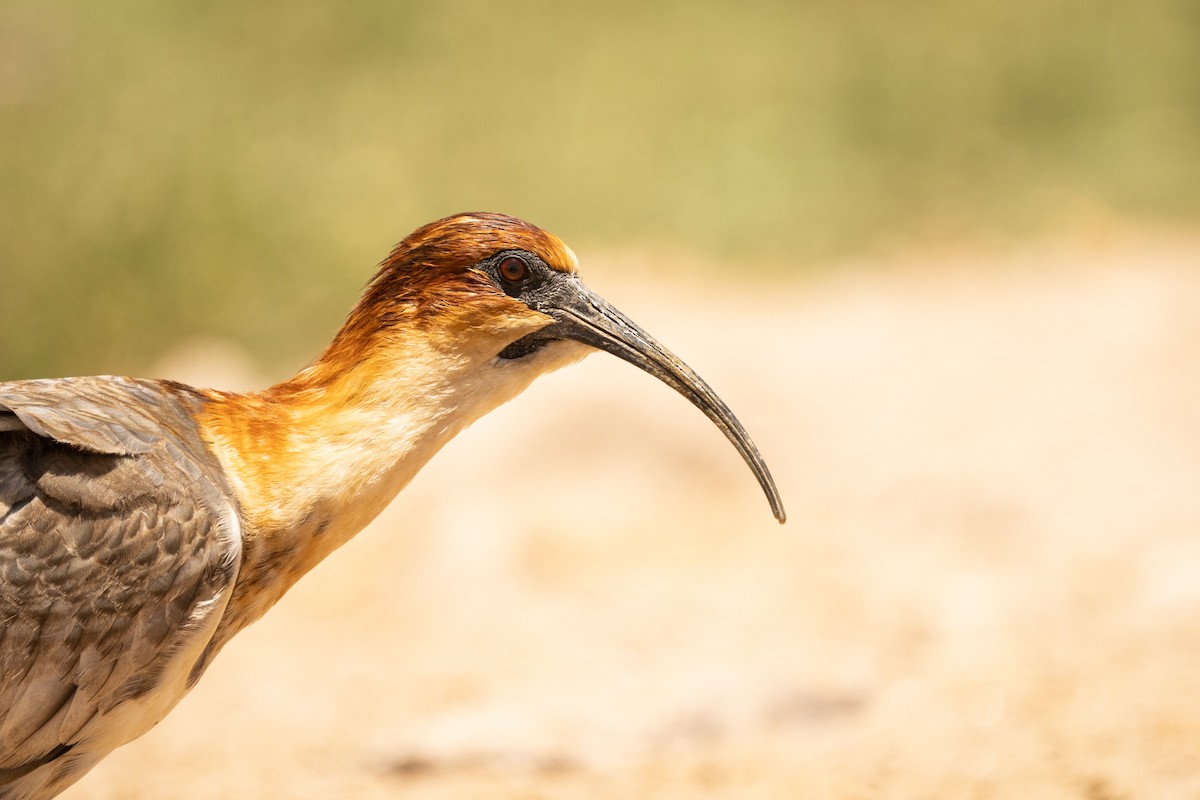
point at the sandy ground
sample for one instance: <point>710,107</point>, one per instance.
<point>989,585</point>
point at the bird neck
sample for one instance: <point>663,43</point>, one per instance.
<point>316,458</point>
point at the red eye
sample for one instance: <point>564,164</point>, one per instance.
<point>513,269</point>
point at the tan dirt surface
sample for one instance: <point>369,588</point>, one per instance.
<point>988,587</point>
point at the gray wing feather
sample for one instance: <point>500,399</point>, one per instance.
<point>116,532</point>
<point>119,416</point>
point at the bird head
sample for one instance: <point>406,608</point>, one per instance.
<point>504,298</point>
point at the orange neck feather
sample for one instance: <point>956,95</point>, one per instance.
<point>314,459</point>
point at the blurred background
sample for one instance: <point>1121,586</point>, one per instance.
<point>176,170</point>
<point>941,258</point>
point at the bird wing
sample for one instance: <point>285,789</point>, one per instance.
<point>119,543</point>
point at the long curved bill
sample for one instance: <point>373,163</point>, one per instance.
<point>586,317</point>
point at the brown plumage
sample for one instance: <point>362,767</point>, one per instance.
<point>144,523</point>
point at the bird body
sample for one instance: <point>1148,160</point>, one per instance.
<point>120,544</point>
<point>144,523</point>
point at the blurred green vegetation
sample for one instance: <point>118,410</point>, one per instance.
<point>170,170</point>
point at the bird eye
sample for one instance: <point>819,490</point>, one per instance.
<point>513,269</point>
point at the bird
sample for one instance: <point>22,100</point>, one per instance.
<point>143,523</point>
